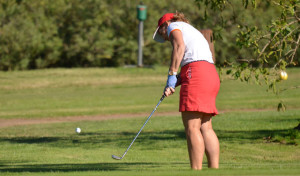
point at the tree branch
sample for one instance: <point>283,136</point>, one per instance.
<point>295,49</point>
<point>298,18</point>
<point>277,43</point>
<point>270,40</point>
<point>277,63</point>
<point>246,60</point>
<point>293,87</point>
<point>265,47</point>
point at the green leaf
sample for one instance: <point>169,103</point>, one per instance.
<point>270,53</point>
<point>237,74</point>
<point>281,107</point>
<point>244,65</point>
<point>283,45</point>
<point>254,3</point>
<point>245,2</point>
<point>205,15</point>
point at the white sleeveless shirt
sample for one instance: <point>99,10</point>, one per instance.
<point>196,46</point>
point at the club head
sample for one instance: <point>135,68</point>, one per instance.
<point>116,157</point>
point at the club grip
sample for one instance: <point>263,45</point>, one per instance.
<point>162,97</point>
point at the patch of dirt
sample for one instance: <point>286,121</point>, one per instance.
<point>17,122</point>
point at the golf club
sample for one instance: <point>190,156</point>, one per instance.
<point>119,158</point>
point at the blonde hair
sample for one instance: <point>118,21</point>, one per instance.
<point>178,16</point>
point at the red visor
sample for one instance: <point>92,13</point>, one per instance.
<point>166,17</point>
<point>157,37</point>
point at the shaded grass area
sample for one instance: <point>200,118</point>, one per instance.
<point>126,168</point>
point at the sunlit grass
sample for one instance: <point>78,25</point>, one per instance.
<point>71,92</point>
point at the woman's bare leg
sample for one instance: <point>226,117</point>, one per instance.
<point>211,142</point>
<point>192,124</point>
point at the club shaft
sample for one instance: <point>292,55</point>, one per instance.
<point>143,125</point>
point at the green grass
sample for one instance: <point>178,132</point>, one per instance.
<point>55,149</point>
<point>69,92</point>
<point>255,139</point>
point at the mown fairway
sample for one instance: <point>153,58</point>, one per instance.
<point>255,139</point>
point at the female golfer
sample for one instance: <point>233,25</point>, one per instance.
<point>199,85</point>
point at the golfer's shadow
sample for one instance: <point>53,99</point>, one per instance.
<point>71,167</point>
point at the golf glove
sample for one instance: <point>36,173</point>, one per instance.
<point>171,82</point>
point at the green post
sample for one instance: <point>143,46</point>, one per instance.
<point>141,12</point>
<point>141,16</point>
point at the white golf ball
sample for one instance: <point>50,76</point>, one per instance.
<point>78,130</point>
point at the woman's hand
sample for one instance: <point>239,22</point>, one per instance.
<point>169,91</point>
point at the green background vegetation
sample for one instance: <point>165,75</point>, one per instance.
<point>92,33</point>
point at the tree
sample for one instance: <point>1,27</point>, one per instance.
<point>273,46</point>
<point>92,33</point>
<point>66,33</point>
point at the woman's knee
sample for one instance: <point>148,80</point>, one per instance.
<point>206,124</point>
<point>190,131</point>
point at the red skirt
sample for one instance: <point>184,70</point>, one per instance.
<point>200,85</point>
